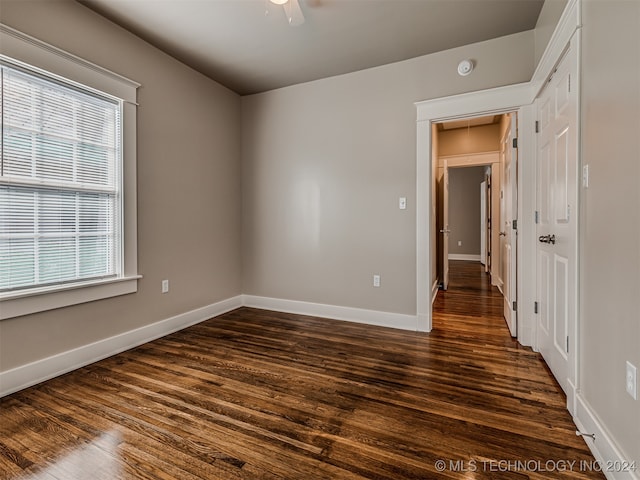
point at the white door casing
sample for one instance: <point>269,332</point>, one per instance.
<point>445,227</point>
<point>487,228</point>
<point>557,215</point>
<point>491,161</point>
<point>495,101</point>
<point>501,220</point>
<point>509,215</point>
<point>483,223</point>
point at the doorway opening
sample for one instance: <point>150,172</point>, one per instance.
<point>475,169</point>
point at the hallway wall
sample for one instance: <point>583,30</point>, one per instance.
<point>460,141</point>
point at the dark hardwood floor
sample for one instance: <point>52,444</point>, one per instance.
<point>263,395</point>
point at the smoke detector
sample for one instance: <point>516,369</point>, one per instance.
<point>465,67</point>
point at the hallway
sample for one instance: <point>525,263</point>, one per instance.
<point>470,293</point>
<point>507,379</point>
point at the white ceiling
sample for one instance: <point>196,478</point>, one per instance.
<point>236,44</point>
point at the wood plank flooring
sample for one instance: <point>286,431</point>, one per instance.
<point>255,394</point>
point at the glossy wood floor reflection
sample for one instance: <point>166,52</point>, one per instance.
<point>262,395</point>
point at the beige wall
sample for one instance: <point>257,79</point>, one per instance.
<point>324,164</point>
<point>462,141</point>
<point>464,209</point>
<point>188,186</point>
<point>547,21</point>
<point>610,222</point>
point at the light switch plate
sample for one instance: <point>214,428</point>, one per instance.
<point>632,380</point>
<point>585,176</point>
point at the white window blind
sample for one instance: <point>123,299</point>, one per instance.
<point>60,198</point>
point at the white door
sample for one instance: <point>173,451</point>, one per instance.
<point>483,223</point>
<point>445,227</point>
<point>557,213</point>
<point>509,218</point>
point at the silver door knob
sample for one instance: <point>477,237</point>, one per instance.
<point>444,230</point>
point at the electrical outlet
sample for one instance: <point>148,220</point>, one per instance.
<point>376,280</point>
<point>165,286</point>
<point>459,243</point>
<point>632,376</point>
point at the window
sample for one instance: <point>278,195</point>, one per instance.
<point>67,179</point>
<point>59,183</point>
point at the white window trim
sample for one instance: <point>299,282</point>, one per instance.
<point>35,53</point>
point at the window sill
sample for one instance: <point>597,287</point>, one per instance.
<point>16,304</point>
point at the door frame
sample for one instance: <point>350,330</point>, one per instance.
<point>483,223</point>
<point>509,154</point>
<point>489,159</point>
<point>520,98</point>
<point>514,98</point>
<point>445,231</point>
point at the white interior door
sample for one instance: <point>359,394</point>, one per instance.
<point>445,227</point>
<point>483,223</point>
<point>489,224</point>
<point>501,221</point>
<point>556,251</point>
<point>508,232</point>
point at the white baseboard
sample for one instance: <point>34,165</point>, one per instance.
<point>32,373</point>
<point>357,315</point>
<point>39,371</point>
<point>572,396</point>
<point>423,323</point>
<point>604,449</point>
<point>464,256</point>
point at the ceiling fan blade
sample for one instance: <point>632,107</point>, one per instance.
<point>294,13</point>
